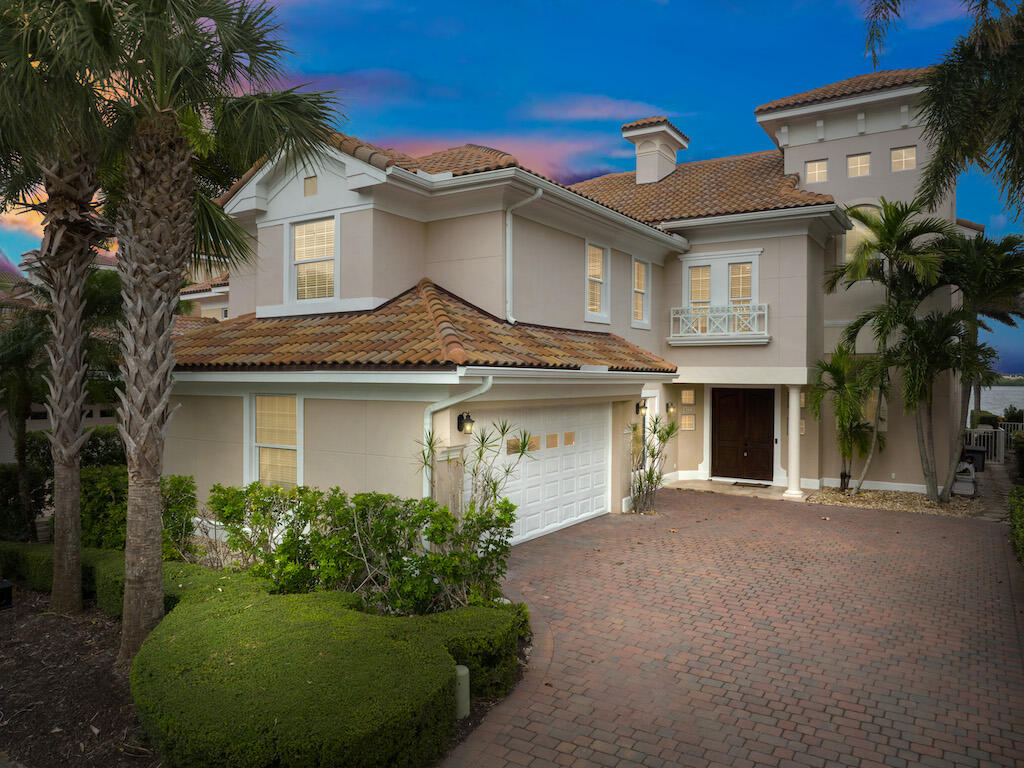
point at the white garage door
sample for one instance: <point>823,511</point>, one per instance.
<point>565,480</point>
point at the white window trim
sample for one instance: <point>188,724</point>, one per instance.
<point>251,473</point>
<point>605,316</point>
<point>897,149</point>
<point>719,263</point>
<point>290,298</point>
<point>645,323</point>
<point>859,154</point>
<point>807,180</point>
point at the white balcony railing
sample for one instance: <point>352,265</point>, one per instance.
<point>735,324</point>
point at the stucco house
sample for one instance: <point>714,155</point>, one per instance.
<point>392,295</point>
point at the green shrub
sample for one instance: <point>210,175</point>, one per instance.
<point>292,680</point>
<point>105,506</point>
<point>370,543</point>
<point>1013,413</point>
<point>14,524</point>
<point>102,448</point>
<point>985,417</point>
<point>486,640</point>
<point>1017,520</point>
<point>1018,452</point>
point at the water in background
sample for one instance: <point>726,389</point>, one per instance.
<point>995,399</point>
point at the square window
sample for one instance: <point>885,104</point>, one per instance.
<point>309,186</point>
<point>534,443</point>
<point>687,422</point>
<point>569,439</point>
<point>858,165</point>
<point>552,440</point>
<point>904,159</point>
<point>687,397</point>
<point>816,171</point>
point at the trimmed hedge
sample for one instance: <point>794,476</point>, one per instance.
<point>103,577</point>
<point>1017,520</point>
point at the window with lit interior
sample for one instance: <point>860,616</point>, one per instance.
<point>700,297</point>
<point>313,255</point>
<point>816,171</point>
<point>597,284</point>
<point>904,159</point>
<point>641,294</point>
<point>858,165</point>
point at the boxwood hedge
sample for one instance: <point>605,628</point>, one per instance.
<point>235,676</point>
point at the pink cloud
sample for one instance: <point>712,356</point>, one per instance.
<point>372,87</point>
<point>560,158</point>
<point>583,106</point>
<point>27,221</point>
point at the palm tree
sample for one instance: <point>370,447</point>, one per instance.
<point>989,276</point>
<point>181,66</point>
<point>928,346</point>
<point>899,252</point>
<point>971,102</point>
<point>841,379</point>
<point>50,135</point>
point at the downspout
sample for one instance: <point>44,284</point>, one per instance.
<point>440,405</point>
<point>509,272</point>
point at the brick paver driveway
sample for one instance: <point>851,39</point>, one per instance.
<point>739,632</point>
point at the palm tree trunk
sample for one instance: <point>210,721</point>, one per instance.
<point>874,444</point>
<point>956,441</point>
<point>19,422</point>
<point>70,235</point>
<point>926,445</point>
<point>155,233</point>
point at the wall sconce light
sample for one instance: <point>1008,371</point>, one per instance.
<point>670,409</point>
<point>641,408</point>
<point>466,423</point>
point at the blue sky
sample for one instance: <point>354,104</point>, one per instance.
<point>551,82</point>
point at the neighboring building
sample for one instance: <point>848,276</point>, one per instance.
<point>392,293</point>
<point>208,297</point>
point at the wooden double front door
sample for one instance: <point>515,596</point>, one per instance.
<point>743,433</point>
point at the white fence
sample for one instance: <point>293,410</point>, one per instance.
<point>1012,427</point>
<point>992,440</point>
<point>736,320</point>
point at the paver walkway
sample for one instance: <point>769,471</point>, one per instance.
<point>738,632</point>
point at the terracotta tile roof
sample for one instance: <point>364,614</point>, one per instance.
<point>220,281</point>
<point>738,184</point>
<point>644,122</point>
<point>425,327</point>
<point>469,158</point>
<point>183,324</point>
<point>968,224</point>
<point>873,81</point>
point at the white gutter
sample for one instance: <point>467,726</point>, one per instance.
<point>509,271</point>
<point>803,212</point>
<point>440,405</point>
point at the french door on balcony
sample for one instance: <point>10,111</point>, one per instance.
<point>742,433</point>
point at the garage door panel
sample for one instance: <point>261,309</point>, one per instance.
<point>566,479</point>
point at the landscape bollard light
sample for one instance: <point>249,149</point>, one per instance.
<point>461,691</point>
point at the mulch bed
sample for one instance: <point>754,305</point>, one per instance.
<point>898,501</point>
<point>61,703</point>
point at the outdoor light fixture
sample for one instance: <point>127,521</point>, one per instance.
<point>670,408</point>
<point>465,423</point>
<point>641,408</point>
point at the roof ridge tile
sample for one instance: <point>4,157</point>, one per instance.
<point>447,334</point>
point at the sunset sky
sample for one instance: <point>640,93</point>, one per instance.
<point>551,82</point>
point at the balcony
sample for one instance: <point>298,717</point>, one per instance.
<point>736,324</point>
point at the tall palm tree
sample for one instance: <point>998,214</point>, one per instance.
<point>972,100</point>
<point>182,65</point>
<point>989,277</point>
<point>899,253</point>
<point>52,57</point>
<point>841,380</point>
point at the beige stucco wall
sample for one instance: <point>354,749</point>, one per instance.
<point>466,255</point>
<point>398,253</point>
<point>355,258</point>
<point>205,440</point>
<point>362,445</point>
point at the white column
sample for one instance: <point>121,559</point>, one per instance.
<point>793,440</point>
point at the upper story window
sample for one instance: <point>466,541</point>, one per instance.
<point>277,439</point>
<point>313,256</point>
<point>858,234</point>
<point>739,283</point>
<point>858,165</point>
<point>309,186</point>
<point>904,159</point>
<point>700,294</point>
<point>641,294</point>
<point>816,171</point>
<point>597,284</point>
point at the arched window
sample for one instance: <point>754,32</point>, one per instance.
<point>856,236</point>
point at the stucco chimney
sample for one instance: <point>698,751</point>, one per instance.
<point>656,141</point>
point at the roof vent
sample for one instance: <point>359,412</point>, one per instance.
<point>656,141</point>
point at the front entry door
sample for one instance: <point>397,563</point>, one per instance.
<point>743,433</point>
